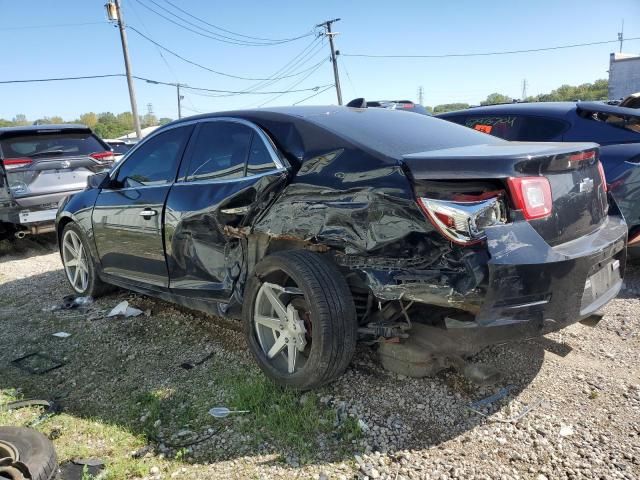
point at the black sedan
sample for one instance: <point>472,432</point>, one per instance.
<point>319,226</point>
<point>615,128</point>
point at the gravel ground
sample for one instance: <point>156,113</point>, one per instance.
<point>572,409</point>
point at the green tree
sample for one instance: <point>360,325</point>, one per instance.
<point>5,123</point>
<point>164,120</point>
<point>449,107</point>
<point>20,119</point>
<point>496,98</point>
<point>89,119</point>
<point>126,120</point>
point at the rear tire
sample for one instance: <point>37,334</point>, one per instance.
<point>79,266</point>
<point>26,449</point>
<point>320,327</point>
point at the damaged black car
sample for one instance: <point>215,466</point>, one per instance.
<point>323,226</point>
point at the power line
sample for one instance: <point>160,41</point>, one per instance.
<point>198,64</point>
<point>54,25</point>
<point>314,95</point>
<point>283,40</point>
<point>160,82</point>
<point>295,84</point>
<point>484,54</point>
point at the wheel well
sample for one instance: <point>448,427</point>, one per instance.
<point>61,224</point>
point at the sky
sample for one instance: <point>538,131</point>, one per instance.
<point>42,39</point>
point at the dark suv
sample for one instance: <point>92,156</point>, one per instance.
<point>39,166</point>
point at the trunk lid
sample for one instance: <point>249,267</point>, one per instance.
<point>578,193</point>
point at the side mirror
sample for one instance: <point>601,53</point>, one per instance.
<point>98,180</point>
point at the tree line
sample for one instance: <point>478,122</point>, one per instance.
<point>109,125</point>
<point>598,90</point>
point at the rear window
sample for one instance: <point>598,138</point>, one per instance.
<point>395,133</point>
<point>517,127</point>
<point>628,123</point>
<point>50,144</point>
<point>121,148</point>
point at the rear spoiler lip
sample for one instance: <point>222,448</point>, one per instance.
<point>596,107</point>
<point>488,161</point>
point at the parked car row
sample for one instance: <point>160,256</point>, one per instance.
<point>323,226</point>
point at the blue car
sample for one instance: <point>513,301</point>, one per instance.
<point>615,128</point>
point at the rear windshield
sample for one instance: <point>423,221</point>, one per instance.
<point>121,148</point>
<point>628,123</point>
<point>50,144</point>
<point>517,127</point>
<point>396,133</point>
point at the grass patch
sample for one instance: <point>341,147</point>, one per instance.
<point>293,420</point>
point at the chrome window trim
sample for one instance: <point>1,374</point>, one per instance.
<point>229,180</point>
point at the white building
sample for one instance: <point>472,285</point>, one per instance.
<point>624,75</point>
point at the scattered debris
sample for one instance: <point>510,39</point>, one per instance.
<point>499,395</point>
<point>69,302</point>
<point>514,419</point>
<point>90,462</point>
<point>79,469</point>
<point>125,310</point>
<point>190,365</point>
<point>62,334</point>
<point>52,408</point>
<point>222,412</point>
<point>566,430</point>
<point>37,363</point>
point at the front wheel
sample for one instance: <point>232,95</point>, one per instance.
<point>300,319</point>
<point>79,266</point>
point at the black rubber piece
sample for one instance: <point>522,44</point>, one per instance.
<point>333,317</point>
<point>35,451</point>
<point>96,287</point>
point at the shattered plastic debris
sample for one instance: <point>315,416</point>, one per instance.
<point>566,430</point>
<point>69,302</point>
<point>499,395</point>
<point>124,309</point>
<point>222,412</point>
<point>62,334</point>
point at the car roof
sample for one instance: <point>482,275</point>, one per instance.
<point>44,128</point>
<point>532,108</point>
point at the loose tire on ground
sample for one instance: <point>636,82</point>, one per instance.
<point>94,286</point>
<point>27,447</point>
<point>331,325</point>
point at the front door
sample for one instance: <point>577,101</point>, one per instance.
<point>232,170</point>
<point>128,216</point>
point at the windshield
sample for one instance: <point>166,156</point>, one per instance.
<point>54,144</point>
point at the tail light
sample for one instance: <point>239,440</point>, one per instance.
<point>11,163</point>
<point>602,177</point>
<point>103,156</point>
<point>464,222</point>
<point>532,195</point>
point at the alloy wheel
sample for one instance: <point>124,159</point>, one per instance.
<point>75,261</point>
<point>282,324</point>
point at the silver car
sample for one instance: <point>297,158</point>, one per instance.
<point>39,166</point>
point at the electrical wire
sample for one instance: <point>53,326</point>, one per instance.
<point>191,62</point>
<point>56,25</point>
<point>281,40</point>
<point>292,86</point>
<point>314,95</point>
<point>484,54</point>
<point>159,82</point>
<point>208,33</point>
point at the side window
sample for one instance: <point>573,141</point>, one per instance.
<point>539,129</point>
<point>259,158</point>
<point>220,151</point>
<point>460,119</point>
<point>156,161</point>
<point>503,126</point>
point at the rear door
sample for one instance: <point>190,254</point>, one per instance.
<point>128,216</point>
<point>232,173</point>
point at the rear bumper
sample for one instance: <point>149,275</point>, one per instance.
<point>38,211</point>
<point>528,287</point>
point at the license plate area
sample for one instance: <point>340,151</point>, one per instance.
<point>601,282</point>
<point>28,216</point>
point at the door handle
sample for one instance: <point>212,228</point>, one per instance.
<point>147,212</point>
<point>236,211</point>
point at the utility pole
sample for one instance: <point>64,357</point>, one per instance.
<point>621,35</point>
<point>420,95</point>
<point>115,13</point>
<point>524,90</point>
<point>180,98</point>
<point>334,60</point>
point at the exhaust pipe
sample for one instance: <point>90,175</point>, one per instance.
<point>20,234</point>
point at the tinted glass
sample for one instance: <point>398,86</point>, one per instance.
<point>220,151</point>
<point>259,158</point>
<point>395,133</point>
<point>121,148</point>
<point>50,144</point>
<point>517,127</point>
<point>156,161</point>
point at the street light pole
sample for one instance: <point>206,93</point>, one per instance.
<point>334,59</point>
<point>127,65</point>
<point>180,98</point>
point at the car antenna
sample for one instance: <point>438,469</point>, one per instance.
<point>357,103</point>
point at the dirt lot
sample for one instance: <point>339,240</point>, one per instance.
<point>127,401</point>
